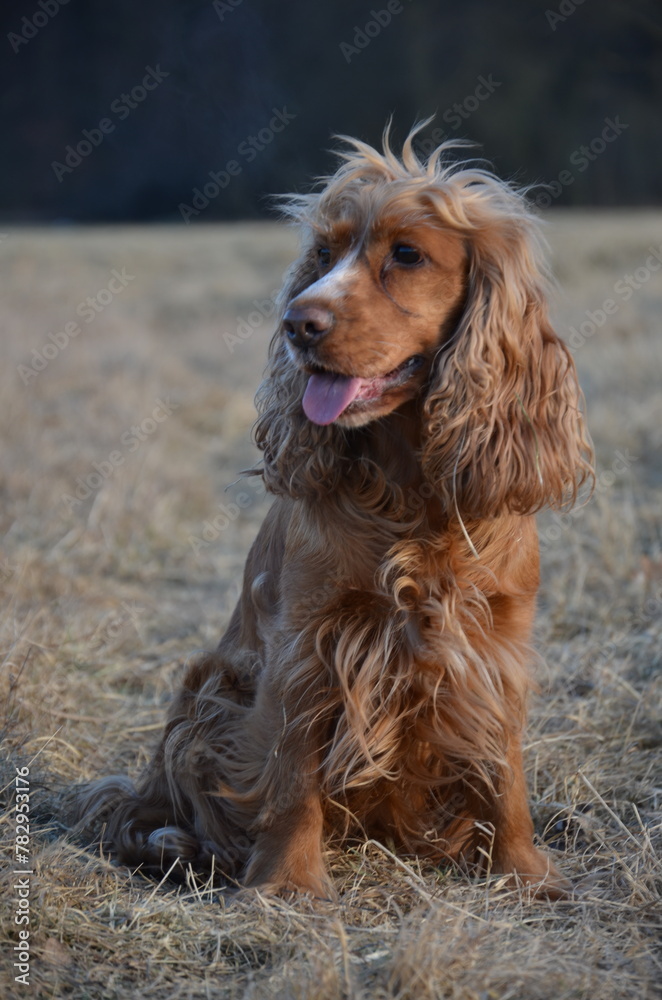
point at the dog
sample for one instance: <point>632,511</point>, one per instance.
<point>417,411</point>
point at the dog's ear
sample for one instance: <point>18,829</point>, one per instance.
<point>504,427</point>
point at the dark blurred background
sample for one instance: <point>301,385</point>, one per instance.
<point>196,110</point>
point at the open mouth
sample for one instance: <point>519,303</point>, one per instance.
<point>329,394</point>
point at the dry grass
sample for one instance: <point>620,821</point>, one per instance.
<point>103,600</point>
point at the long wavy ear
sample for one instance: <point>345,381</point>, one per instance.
<point>504,427</point>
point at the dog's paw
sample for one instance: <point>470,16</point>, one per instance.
<point>536,873</point>
<point>287,877</point>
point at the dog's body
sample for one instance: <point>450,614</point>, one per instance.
<point>418,411</point>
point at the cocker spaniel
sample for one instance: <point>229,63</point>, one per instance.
<point>417,411</point>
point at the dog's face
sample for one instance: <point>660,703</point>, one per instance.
<point>380,302</point>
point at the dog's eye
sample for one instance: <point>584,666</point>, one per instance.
<point>404,254</point>
<point>324,256</point>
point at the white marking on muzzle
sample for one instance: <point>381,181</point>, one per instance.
<point>332,287</point>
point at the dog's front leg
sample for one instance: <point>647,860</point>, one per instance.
<point>513,849</point>
<point>287,725</point>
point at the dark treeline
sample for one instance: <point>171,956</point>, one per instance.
<point>195,110</point>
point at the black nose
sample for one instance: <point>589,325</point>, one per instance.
<point>305,326</point>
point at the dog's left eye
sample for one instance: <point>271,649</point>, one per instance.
<point>404,254</point>
<point>324,256</point>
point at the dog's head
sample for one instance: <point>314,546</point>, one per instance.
<point>387,288</point>
<point>424,281</point>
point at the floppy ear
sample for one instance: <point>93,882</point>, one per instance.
<point>504,427</point>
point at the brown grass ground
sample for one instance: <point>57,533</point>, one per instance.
<point>104,599</point>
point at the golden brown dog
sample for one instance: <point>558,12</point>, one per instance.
<point>418,410</point>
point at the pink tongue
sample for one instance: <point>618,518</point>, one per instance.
<point>326,396</point>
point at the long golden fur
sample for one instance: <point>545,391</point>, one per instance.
<point>373,677</point>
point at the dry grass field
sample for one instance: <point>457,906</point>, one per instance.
<point>125,422</point>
